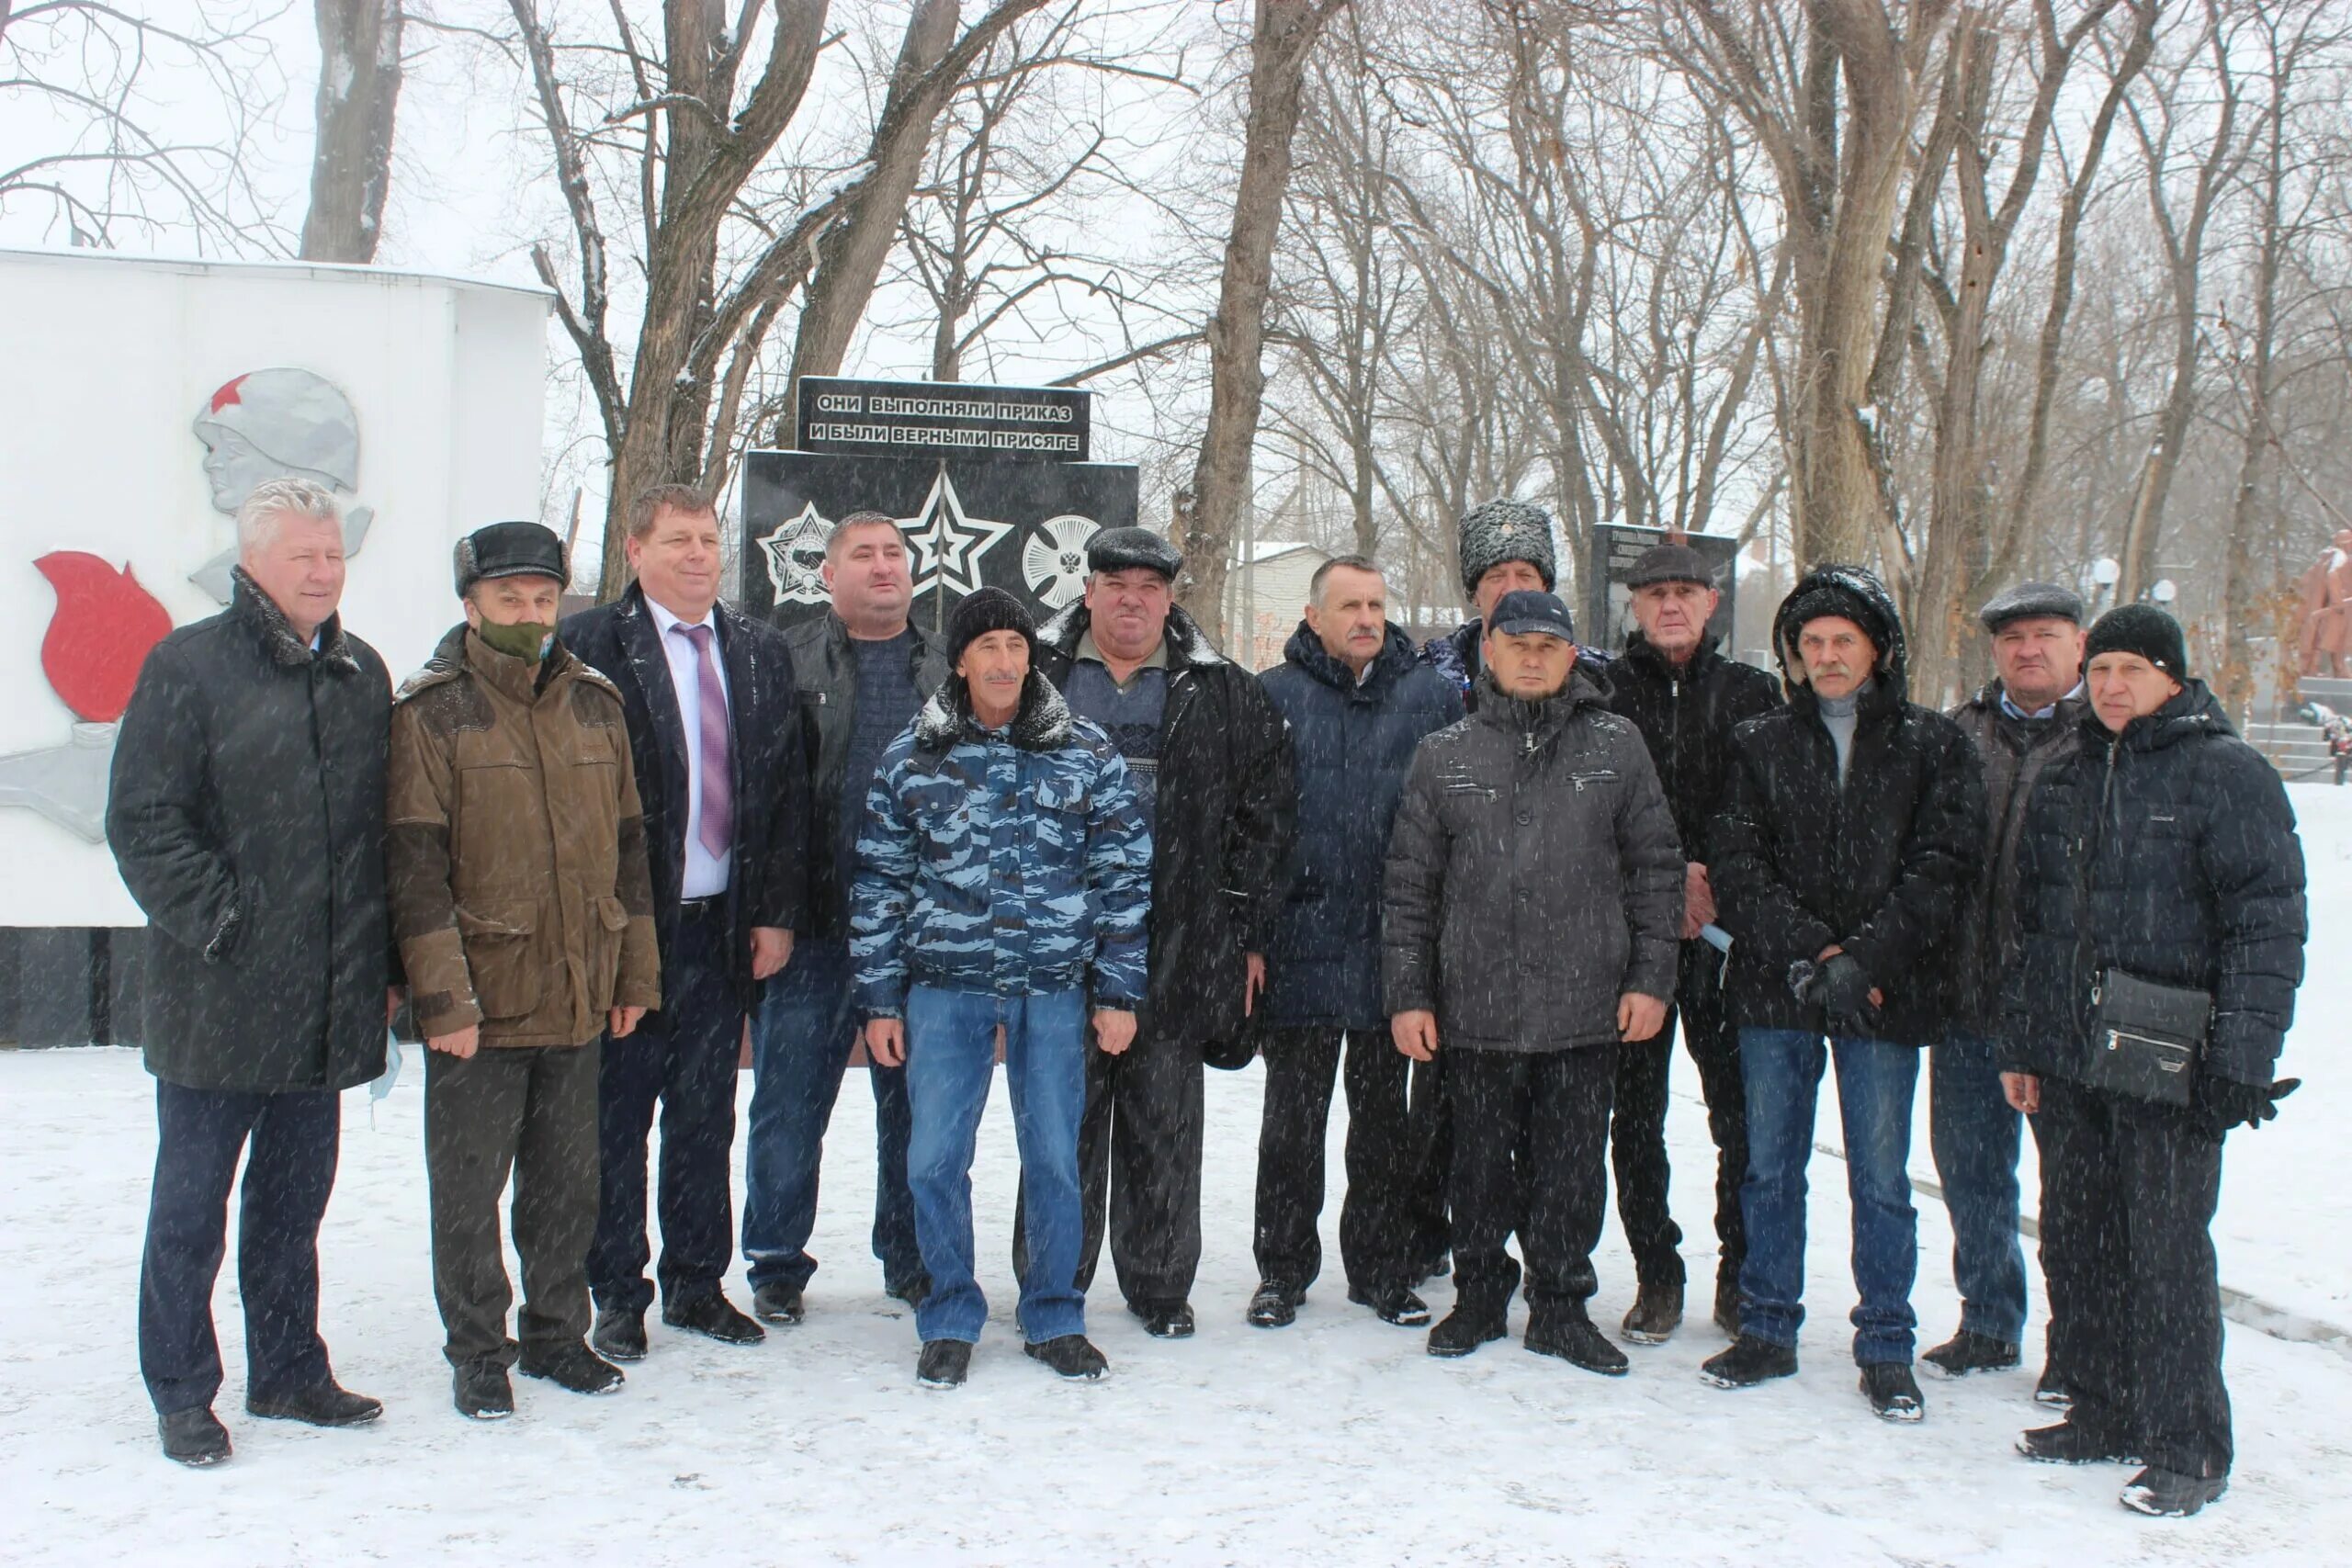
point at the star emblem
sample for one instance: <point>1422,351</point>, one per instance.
<point>796,558</point>
<point>947,543</point>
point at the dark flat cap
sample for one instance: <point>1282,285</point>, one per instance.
<point>2032,599</point>
<point>1525,610</point>
<point>509,549</point>
<point>1669,563</point>
<point>1124,549</point>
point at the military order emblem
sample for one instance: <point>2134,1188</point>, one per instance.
<point>1054,560</point>
<point>796,558</point>
<point>947,543</point>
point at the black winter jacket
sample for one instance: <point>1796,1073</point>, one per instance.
<point>2015,752</point>
<point>1685,714</point>
<point>1354,743</point>
<point>1227,807</point>
<point>824,670</point>
<point>1533,877</point>
<point>768,885</point>
<point>246,815</point>
<point>1885,866</point>
<point>1460,656</point>
<point>2170,853</point>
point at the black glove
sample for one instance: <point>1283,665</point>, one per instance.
<point>1843,990</point>
<point>2224,1103</point>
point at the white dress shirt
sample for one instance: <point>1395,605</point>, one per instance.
<point>706,874</point>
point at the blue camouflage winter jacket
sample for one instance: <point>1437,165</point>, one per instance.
<point>1008,861</point>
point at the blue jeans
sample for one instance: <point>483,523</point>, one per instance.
<point>1876,1082</point>
<point>951,1054</point>
<point>802,1031</point>
<point>1975,1137</point>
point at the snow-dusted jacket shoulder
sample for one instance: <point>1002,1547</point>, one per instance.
<point>1003,861</point>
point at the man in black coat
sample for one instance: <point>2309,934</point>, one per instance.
<point>2163,850</point>
<point>1844,857</point>
<point>1504,547</point>
<point>1685,698</point>
<point>864,670</point>
<point>1358,704</point>
<point>2025,720</point>
<point>714,731</point>
<point>246,815</point>
<point>1212,765</point>
<point>1532,899</point>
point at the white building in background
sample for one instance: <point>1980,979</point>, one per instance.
<point>1265,598</point>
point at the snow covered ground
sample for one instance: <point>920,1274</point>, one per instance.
<point>1336,1441</point>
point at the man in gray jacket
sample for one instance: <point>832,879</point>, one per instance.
<point>1533,906</point>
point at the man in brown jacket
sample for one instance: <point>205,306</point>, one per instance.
<point>520,898</point>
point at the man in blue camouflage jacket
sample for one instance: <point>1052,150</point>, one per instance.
<point>1003,874</point>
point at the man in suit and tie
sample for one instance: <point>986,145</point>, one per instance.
<point>715,733</point>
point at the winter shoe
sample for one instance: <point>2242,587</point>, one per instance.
<point>2050,1390</point>
<point>620,1334</point>
<point>778,1303</point>
<point>1893,1392</point>
<point>1394,1304</point>
<point>193,1438</point>
<point>1967,1352</point>
<point>1727,1307</point>
<point>482,1392</point>
<point>1750,1362</point>
<point>1463,1330</point>
<point>1575,1339</point>
<point>1658,1313</point>
<point>1274,1307</point>
<point>712,1316</point>
<point>912,1291</point>
<point>323,1404</point>
<point>944,1363</point>
<point>1165,1320</point>
<point>571,1365</point>
<point>1071,1355</point>
<point>2067,1443</point>
<point>2168,1495</point>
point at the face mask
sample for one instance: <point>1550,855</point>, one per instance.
<point>525,639</point>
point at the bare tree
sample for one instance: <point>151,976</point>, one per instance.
<point>1282,33</point>
<point>351,166</point>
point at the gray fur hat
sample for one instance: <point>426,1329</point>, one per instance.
<point>1498,530</point>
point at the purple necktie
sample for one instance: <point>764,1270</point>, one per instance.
<point>718,791</point>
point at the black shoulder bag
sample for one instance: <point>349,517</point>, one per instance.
<point>2146,1038</point>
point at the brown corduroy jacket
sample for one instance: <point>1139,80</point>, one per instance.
<point>514,848</point>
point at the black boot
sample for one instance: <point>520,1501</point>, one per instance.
<point>1274,1307</point>
<point>1658,1313</point>
<point>1071,1355</point>
<point>322,1405</point>
<point>1574,1337</point>
<point>1893,1392</point>
<point>712,1316</point>
<point>619,1334</point>
<point>2067,1443</point>
<point>2050,1390</point>
<point>1164,1320</point>
<point>1464,1329</point>
<point>778,1304</point>
<point>193,1438</point>
<point>1394,1304</point>
<point>1750,1362</point>
<point>568,1364</point>
<point>2168,1495</point>
<point>1728,1306</point>
<point>1967,1352</point>
<point>482,1393</point>
<point>944,1363</point>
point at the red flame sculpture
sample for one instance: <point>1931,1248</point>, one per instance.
<point>99,637</point>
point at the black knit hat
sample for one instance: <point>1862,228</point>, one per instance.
<point>2143,629</point>
<point>1850,592</point>
<point>989,610</point>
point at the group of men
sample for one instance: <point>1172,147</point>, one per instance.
<point>1494,875</point>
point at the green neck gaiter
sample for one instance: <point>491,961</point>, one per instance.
<point>525,640</point>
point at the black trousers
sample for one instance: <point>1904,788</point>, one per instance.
<point>684,1058</point>
<point>1637,1127</point>
<point>295,1139</point>
<point>531,1112</point>
<point>1139,1168</point>
<point>1392,1219</point>
<point>2128,1192</point>
<point>1530,1128</point>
